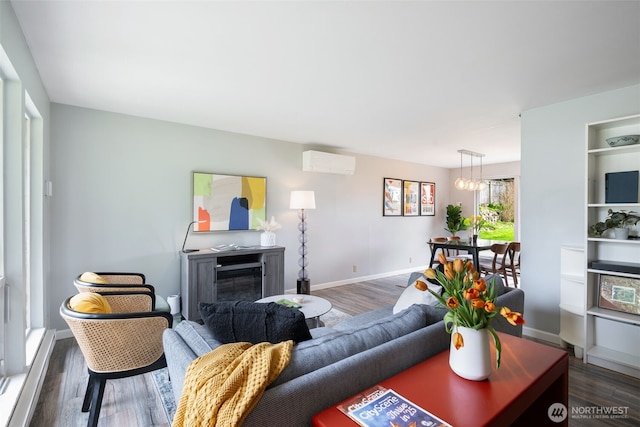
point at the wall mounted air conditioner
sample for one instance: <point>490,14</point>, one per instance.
<point>318,161</point>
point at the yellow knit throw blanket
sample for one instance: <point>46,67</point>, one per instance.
<point>224,385</point>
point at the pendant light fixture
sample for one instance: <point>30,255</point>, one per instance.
<point>461,183</point>
<point>481,183</point>
<point>470,184</point>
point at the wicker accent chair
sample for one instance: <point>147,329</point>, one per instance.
<point>122,282</point>
<point>120,344</point>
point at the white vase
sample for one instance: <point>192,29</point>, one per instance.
<point>268,239</point>
<point>621,233</point>
<point>473,360</point>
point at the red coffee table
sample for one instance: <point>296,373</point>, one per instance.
<point>531,378</point>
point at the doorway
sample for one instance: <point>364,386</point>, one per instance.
<point>497,204</point>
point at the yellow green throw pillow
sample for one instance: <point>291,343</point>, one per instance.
<point>89,302</point>
<point>90,277</point>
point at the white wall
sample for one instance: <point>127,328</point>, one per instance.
<point>122,202</point>
<point>553,192</point>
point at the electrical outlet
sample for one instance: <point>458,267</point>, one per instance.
<point>410,260</point>
<point>355,268</point>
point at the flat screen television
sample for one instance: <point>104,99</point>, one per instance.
<point>621,187</point>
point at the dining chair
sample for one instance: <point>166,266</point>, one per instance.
<point>498,261</point>
<point>513,265</point>
<point>121,342</point>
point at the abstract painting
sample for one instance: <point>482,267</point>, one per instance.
<point>228,202</point>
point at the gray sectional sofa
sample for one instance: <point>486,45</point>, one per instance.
<point>339,361</point>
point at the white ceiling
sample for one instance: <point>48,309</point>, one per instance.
<point>407,80</point>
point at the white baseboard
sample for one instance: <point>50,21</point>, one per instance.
<point>64,333</point>
<point>542,335</point>
<point>363,278</point>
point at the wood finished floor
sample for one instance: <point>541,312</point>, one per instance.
<point>134,402</point>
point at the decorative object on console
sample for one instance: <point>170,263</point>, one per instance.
<point>619,221</point>
<point>302,200</point>
<point>471,303</point>
<point>187,235</point>
<point>618,141</point>
<point>174,304</point>
<point>268,237</point>
<point>228,202</point>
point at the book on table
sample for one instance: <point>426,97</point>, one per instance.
<point>382,407</point>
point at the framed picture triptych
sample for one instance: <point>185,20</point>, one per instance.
<point>408,198</point>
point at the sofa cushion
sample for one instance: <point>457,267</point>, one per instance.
<point>412,295</point>
<point>310,355</point>
<point>236,321</point>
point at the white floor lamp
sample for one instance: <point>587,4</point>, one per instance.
<point>303,200</point>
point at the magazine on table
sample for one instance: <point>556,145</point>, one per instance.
<point>382,407</point>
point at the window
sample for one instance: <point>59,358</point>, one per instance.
<point>3,371</point>
<point>21,247</point>
<point>498,204</point>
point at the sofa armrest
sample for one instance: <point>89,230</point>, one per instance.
<point>513,299</point>
<point>178,356</point>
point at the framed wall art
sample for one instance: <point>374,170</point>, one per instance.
<point>410,198</point>
<point>427,198</point>
<point>619,293</point>
<point>228,202</point>
<point>392,197</point>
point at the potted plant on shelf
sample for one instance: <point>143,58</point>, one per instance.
<point>455,220</point>
<point>619,221</point>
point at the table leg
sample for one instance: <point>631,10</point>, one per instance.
<point>476,258</point>
<point>433,255</point>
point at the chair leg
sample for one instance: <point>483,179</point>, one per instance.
<point>96,401</point>
<point>87,395</point>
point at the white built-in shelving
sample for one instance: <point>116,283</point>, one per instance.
<point>572,297</point>
<point>611,338</point>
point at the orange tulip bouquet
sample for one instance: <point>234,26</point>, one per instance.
<point>469,299</point>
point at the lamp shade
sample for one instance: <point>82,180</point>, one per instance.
<point>302,200</point>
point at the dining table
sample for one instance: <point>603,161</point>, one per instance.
<point>473,248</point>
